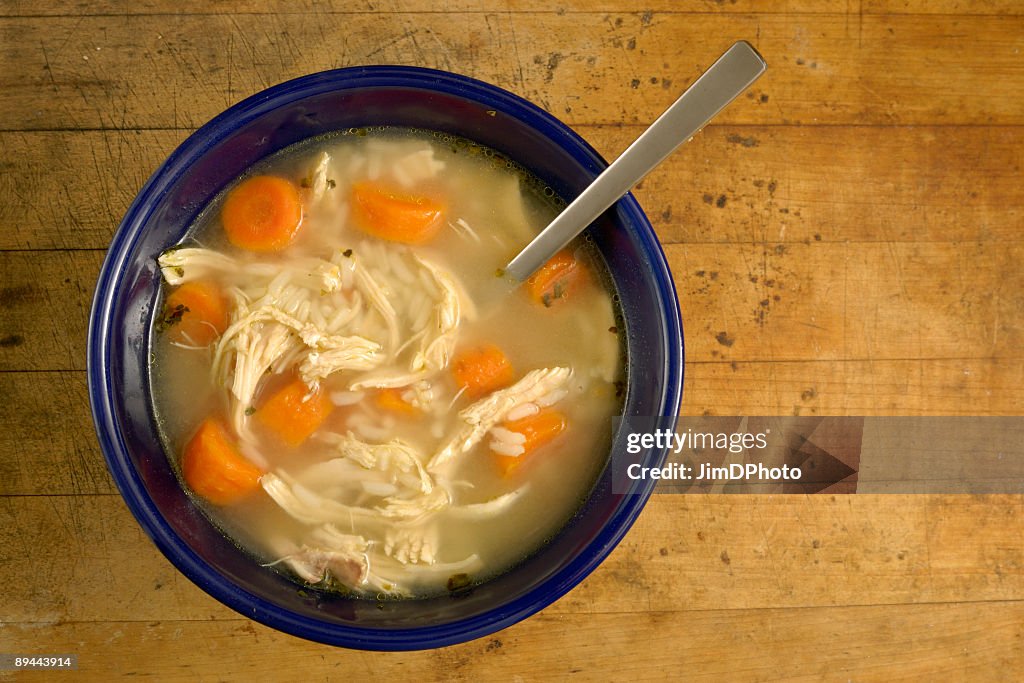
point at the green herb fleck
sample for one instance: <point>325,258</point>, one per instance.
<point>460,585</point>
<point>331,184</point>
<point>305,182</point>
<point>173,316</point>
<point>559,289</point>
<point>500,272</point>
<point>249,411</point>
<point>347,253</point>
<point>180,271</point>
<point>546,299</point>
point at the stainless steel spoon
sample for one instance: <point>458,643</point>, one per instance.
<point>733,73</point>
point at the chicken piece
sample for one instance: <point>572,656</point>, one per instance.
<point>436,334</point>
<point>395,458</point>
<point>310,507</point>
<point>416,166</point>
<point>437,344</point>
<point>180,265</point>
<point>481,416</point>
<point>318,178</point>
<point>343,555</point>
<point>490,508</point>
<point>307,506</point>
<point>418,507</point>
<point>411,546</point>
<point>377,297</point>
<point>330,354</point>
<point>388,566</point>
<point>255,341</point>
<point>330,553</point>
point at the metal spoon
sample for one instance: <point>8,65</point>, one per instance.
<point>733,73</point>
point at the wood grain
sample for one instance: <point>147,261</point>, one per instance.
<point>933,642</point>
<point>688,553</point>
<point>731,184</point>
<point>786,7</point>
<point>145,71</point>
<point>44,308</point>
<point>56,450</point>
<point>846,240</point>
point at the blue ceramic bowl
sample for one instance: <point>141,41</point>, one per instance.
<point>120,341</point>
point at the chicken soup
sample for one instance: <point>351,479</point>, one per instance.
<point>350,389</point>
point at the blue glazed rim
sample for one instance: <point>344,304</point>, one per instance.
<point>110,287</point>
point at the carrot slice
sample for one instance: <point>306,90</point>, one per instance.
<point>482,370</point>
<point>538,430</point>
<point>391,399</point>
<point>393,216</point>
<point>195,313</point>
<point>262,213</point>
<point>293,413</point>
<point>214,468</point>
<point>557,279</point>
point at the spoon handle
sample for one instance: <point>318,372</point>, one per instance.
<point>733,73</point>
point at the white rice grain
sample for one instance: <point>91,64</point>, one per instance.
<point>347,398</point>
<point>521,411</point>
<point>379,488</point>
<point>508,436</point>
<point>551,398</point>
<point>504,448</point>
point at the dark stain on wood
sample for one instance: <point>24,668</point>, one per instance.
<point>744,141</point>
<point>20,295</point>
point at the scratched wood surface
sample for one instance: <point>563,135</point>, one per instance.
<point>845,240</point>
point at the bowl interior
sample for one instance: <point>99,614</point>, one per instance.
<point>128,288</point>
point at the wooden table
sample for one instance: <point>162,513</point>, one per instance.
<point>846,240</point>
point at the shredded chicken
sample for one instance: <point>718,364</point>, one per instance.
<point>395,458</point>
<point>328,355</point>
<point>311,507</point>
<point>318,178</point>
<point>436,348</point>
<point>412,546</point>
<point>481,416</point>
<point>305,505</point>
<point>437,334</point>
<point>490,508</point>
<point>328,552</point>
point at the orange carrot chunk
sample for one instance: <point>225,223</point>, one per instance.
<point>538,430</point>
<point>391,400</point>
<point>482,370</point>
<point>293,413</point>
<point>214,468</point>
<point>393,216</point>
<point>262,214</point>
<point>195,313</point>
<point>557,279</point>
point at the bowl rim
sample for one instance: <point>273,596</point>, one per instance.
<point>115,449</point>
